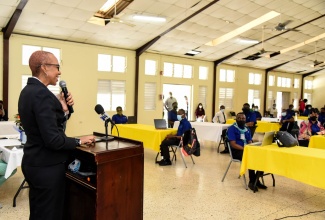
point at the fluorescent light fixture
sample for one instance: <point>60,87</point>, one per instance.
<point>303,43</point>
<point>149,18</point>
<point>192,53</point>
<point>108,5</point>
<point>244,28</point>
<point>247,41</point>
<point>98,21</point>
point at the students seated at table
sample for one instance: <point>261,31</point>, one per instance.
<point>184,125</point>
<point>310,127</point>
<point>321,117</point>
<point>286,121</point>
<point>273,111</point>
<point>199,112</point>
<point>220,116</point>
<point>119,118</point>
<point>307,110</point>
<point>238,136</point>
<point>257,113</point>
<point>172,115</point>
<point>3,112</point>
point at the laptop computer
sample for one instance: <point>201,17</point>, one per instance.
<point>267,139</point>
<point>132,119</point>
<point>160,123</point>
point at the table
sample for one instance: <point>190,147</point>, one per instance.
<point>206,130</point>
<point>302,117</point>
<point>298,163</point>
<point>262,126</point>
<point>13,158</point>
<point>7,129</point>
<point>317,141</point>
<point>150,136</point>
<point>270,119</point>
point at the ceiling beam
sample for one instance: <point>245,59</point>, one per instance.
<point>312,72</point>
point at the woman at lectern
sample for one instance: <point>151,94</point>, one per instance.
<point>47,146</point>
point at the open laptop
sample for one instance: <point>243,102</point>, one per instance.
<point>132,119</point>
<point>267,139</point>
<point>160,123</point>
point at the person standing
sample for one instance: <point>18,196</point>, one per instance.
<point>169,102</point>
<point>220,116</point>
<point>199,112</point>
<point>172,115</point>
<point>47,147</point>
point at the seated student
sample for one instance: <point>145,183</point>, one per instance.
<point>307,110</point>
<point>287,120</point>
<point>119,118</point>
<point>220,116</point>
<point>310,127</point>
<point>199,112</point>
<point>273,111</point>
<point>238,136</point>
<point>184,125</point>
<point>172,115</point>
<point>321,117</point>
<point>257,113</point>
<point>3,112</point>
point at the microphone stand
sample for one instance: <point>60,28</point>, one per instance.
<point>106,138</point>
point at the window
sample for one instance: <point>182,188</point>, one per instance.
<point>150,96</point>
<point>295,100</point>
<point>270,99</point>
<point>226,97</point>
<point>227,75</point>
<point>28,50</point>
<point>296,83</point>
<point>150,67</point>
<point>110,94</point>
<point>178,70</point>
<point>308,84</point>
<point>203,72</point>
<point>271,80</point>
<point>255,79</point>
<point>284,82</point>
<point>111,63</point>
<point>54,89</point>
<point>308,96</point>
<point>254,97</point>
<point>203,95</point>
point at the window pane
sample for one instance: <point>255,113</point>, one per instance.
<point>187,71</point>
<point>104,62</point>
<point>27,52</point>
<point>226,97</point>
<point>230,76</point>
<point>203,73</point>
<point>150,67</point>
<point>178,70</point>
<point>119,64</point>
<point>168,69</point>
<point>271,80</point>
<point>118,94</point>
<point>150,96</point>
<point>24,79</point>
<point>296,83</point>
<point>202,95</point>
<point>222,77</point>
<point>251,78</point>
<point>104,94</point>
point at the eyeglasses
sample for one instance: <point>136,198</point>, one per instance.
<point>50,64</point>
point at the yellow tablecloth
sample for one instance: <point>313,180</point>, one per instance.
<point>299,163</point>
<point>302,117</point>
<point>262,126</point>
<point>150,136</point>
<point>317,141</point>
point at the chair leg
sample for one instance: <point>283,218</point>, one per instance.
<point>174,154</point>
<point>17,193</point>
<point>0,206</point>
<point>219,146</point>
<point>156,161</point>
<point>180,151</point>
<point>192,159</point>
<point>224,176</point>
<point>246,186</point>
<point>273,180</point>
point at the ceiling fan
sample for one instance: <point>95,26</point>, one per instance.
<point>116,19</point>
<point>316,62</point>
<point>282,26</point>
<point>261,53</point>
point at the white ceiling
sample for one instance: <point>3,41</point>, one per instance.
<point>67,20</point>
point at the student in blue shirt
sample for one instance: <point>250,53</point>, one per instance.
<point>172,115</point>
<point>184,125</point>
<point>321,117</point>
<point>119,118</point>
<point>250,115</point>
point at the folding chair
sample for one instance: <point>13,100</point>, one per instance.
<point>222,138</point>
<point>3,167</point>
<point>172,149</point>
<point>227,144</point>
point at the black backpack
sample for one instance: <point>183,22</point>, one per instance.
<point>191,144</point>
<point>286,139</point>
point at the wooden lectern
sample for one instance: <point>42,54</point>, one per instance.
<point>110,182</point>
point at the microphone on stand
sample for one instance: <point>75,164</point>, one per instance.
<point>63,86</point>
<point>100,110</point>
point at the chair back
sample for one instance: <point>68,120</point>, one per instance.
<point>227,144</point>
<point>224,134</point>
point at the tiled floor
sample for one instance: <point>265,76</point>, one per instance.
<point>197,192</point>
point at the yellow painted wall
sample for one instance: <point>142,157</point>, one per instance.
<point>1,65</point>
<point>318,91</point>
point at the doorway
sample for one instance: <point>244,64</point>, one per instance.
<point>282,100</point>
<point>179,92</point>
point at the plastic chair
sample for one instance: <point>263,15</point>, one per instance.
<point>222,138</point>
<point>3,167</point>
<point>232,160</point>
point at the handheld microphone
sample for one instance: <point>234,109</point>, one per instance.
<point>100,110</point>
<point>63,86</point>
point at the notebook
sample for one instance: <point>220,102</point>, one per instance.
<point>132,119</point>
<point>267,139</point>
<point>160,123</point>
